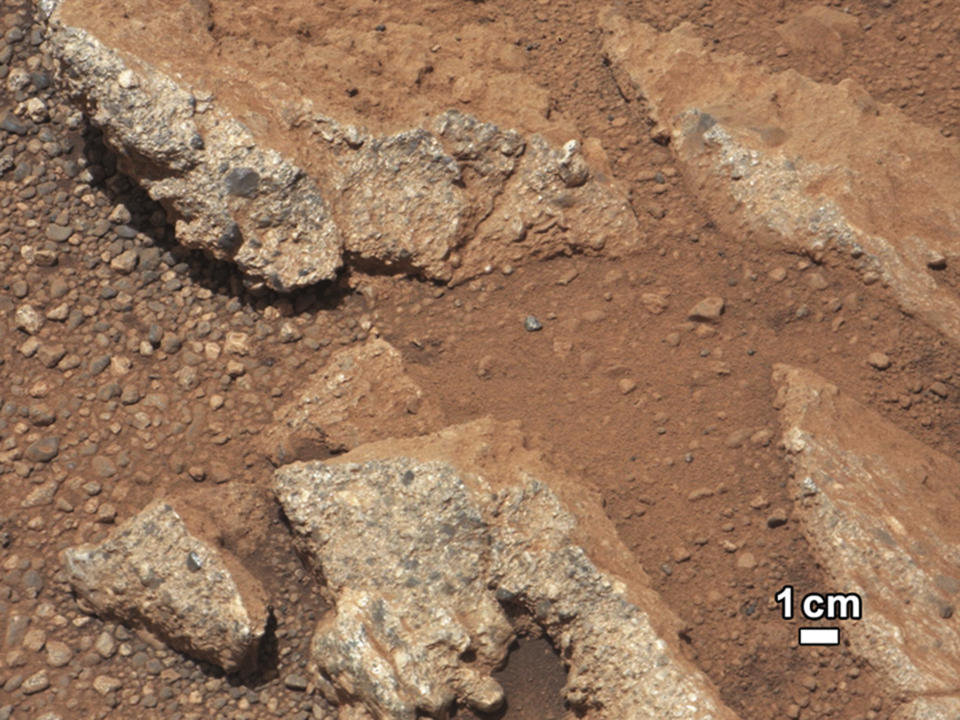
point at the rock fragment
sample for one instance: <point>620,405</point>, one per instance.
<point>708,310</point>
<point>43,450</point>
<point>879,360</point>
<point>28,319</point>
<point>447,200</point>
<point>531,324</point>
<point>140,576</point>
<point>423,543</point>
<point>876,506</point>
<point>363,393</point>
<point>803,162</point>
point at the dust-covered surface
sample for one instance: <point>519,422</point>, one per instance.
<point>134,369</point>
<point>876,508</point>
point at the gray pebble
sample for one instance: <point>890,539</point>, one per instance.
<point>43,450</point>
<point>12,124</point>
<point>295,682</point>
<point>59,233</point>
<point>531,324</point>
<point>243,182</point>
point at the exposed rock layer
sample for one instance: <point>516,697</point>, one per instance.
<point>875,504</point>
<point>448,200</point>
<point>153,573</point>
<point>363,394</point>
<point>436,550</point>
<point>804,165</point>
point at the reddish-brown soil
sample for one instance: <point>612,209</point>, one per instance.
<point>672,421</point>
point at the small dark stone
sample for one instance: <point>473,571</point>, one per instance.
<point>946,612</point>
<point>40,80</point>
<point>230,239</point>
<point>242,182</point>
<point>12,124</point>
<point>43,450</point>
<point>155,334</point>
<point>108,392</point>
<point>98,365</point>
<point>59,233</point>
<point>777,519</point>
<point>194,562</point>
<point>381,28</point>
<point>295,682</point>
<point>531,324</point>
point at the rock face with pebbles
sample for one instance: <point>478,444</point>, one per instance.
<point>449,199</point>
<point>876,504</point>
<point>361,395</point>
<point>153,573</point>
<point>806,166</point>
<point>436,551</point>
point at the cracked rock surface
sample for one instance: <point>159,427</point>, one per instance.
<point>437,551</point>
<point>153,573</point>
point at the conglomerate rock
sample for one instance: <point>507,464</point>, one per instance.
<point>436,551</point>
<point>228,195</point>
<point>450,200</point>
<point>876,506</point>
<point>153,573</point>
<point>807,166</point>
<point>362,394</point>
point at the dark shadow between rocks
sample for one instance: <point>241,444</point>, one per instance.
<point>532,678</point>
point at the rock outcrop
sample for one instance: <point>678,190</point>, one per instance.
<point>448,200</point>
<point>877,507</point>
<point>809,167</point>
<point>154,573</point>
<point>436,551</point>
<point>363,394</point>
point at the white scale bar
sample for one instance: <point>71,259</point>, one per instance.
<point>819,636</point>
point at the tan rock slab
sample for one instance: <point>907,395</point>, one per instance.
<point>361,395</point>
<point>153,573</point>
<point>879,509</point>
<point>261,158</point>
<point>809,167</point>
<point>445,547</point>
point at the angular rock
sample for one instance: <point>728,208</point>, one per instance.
<point>444,547</point>
<point>707,310</point>
<point>362,394</point>
<point>265,180</point>
<point>28,319</point>
<point>805,166</point>
<point>879,509</point>
<point>153,573</point>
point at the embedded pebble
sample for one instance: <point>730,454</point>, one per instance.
<point>879,360</point>
<point>708,310</point>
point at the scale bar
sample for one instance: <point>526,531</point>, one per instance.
<point>819,636</point>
